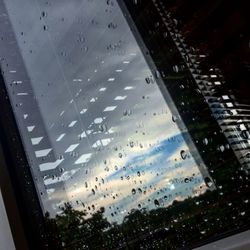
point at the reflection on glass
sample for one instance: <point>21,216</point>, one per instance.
<point>101,131</point>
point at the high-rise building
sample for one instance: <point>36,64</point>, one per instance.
<point>207,49</point>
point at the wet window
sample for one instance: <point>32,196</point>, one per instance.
<point>126,144</point>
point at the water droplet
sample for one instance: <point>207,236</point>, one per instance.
<point>175,68</point>
<point>147,79</point>
<point>156,202</point>
<point>222,148</point>
<point>205,141</point>
<point>245,134</point>
<point>208,182</point>
<point>174,118</point>
<point>183,155</point>
<point>103,128</point>
<point>44,14</point>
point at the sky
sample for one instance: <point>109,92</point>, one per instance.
<point>111,140</point>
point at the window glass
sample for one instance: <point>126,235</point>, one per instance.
<point>103,132</point>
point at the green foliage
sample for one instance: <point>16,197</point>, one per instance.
<point>77,231</point>
<point>178,225</point>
